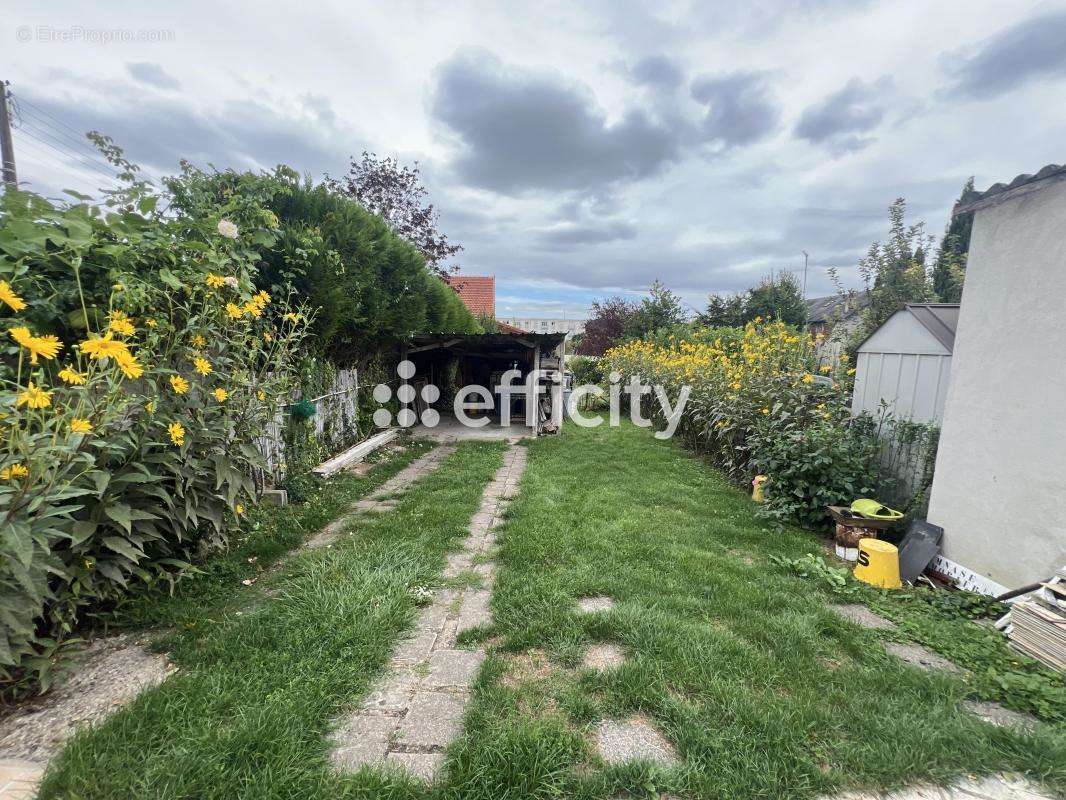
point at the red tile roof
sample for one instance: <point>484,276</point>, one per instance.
<point>478,292</point>
<point>505,328</point>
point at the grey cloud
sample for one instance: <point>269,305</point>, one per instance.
<point>522,130</point>
<point>157,131</point>
<point>842,119</point>
<point>1030,50</point>
<point>567,236</point>
<point>740,108</point>
<point>657,71</point>
<point>152,74</point>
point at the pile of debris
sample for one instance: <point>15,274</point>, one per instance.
<point>1036,623</point>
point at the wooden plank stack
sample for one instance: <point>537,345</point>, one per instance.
<point>1036,623</point>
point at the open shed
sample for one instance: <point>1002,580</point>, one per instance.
<point>906,363</point>
<point>453,361</point>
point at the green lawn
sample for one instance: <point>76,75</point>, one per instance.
<point>763,692</point>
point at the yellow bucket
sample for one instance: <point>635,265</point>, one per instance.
<point>878,564</point>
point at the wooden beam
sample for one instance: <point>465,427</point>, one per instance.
<point>355,454</point>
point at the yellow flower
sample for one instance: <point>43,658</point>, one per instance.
<point>203,366</point>
<point>151,323</point>
<point>80,425</point>
<point>826,368</point>
<point>129,365</point>
<point>808,378</point>
<point>44,346</point>
<point>121,325</point>
<point>150,406</point>
<point>14,471</point>
<point>261,395</point>
<point>766,411</point>
<point>199,341</point>
<point>261,299</point>
<point>291,317</point>
<point>267,336</point>
<point>73,377</point>
<point>118,287</point>
<point>177,433</point>
<point>238,509</point>
<point>105,347</point>
<point>7,295</point>
<point>252,308</point>
<point>851,371</point>
<point>215,281</point>
<point>234,311</point>
<point>221,395</point>
<point>179,384</point>
<point>34,397</point>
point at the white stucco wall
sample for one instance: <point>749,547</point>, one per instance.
<point>1000,485</point>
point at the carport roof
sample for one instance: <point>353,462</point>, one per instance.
<point>483,341</point>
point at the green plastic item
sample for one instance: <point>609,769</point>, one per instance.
<point>871,509</point>
<point>304,409</point>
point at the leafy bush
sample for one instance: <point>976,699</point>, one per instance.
<point>370,288</point>
<point>759,404</point>
<point>139,364</point>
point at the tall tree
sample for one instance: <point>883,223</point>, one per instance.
<point>725,311</point>
<point>606,326</point>
<point>395,193</point>
<point>661,309</point>
<point>779,298</point>
<point>895,272</point>
<point>950,268</point>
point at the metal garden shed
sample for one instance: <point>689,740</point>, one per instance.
<point>906,363</point>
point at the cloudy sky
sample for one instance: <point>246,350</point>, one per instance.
<point>577,150</point>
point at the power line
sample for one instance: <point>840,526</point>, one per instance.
<point>66,152</point>
<point>60,134</point>
<point>59,144</point>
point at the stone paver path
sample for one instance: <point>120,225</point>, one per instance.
<point>921,657</point>
<point>381,499</point>
<point>995,714</point>
<point>603,657</point>
<point>416,709</point>
<point>594,605</point>
<point>633,739</point>
<point>997,787</point>
<point>861,615</point>
<point>19,779</point>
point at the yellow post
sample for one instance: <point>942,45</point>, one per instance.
<point>878,564</point>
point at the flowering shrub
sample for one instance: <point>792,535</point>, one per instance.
<point>138,366</point>
<point>761,405</point>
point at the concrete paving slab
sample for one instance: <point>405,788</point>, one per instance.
<point>921,657</point>
<point>434,720</point>
<point>423,766</point>
<point>360,741</point>
<point>861,615</point>
<point>633,739</point>
<point>595,605</point>
<point>453,669</point>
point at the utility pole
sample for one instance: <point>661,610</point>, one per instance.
<point>7,148</point>
<point>805,257</point>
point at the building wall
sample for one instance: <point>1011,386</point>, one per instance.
<point>1000,475</point>
<point>547,324</point>
<point>906,367</point>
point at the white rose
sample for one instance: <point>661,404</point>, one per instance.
<point>228,229</point>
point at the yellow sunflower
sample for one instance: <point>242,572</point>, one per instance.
<point>177,433</point>
<point>7,295</point>
<point>71,376</point>
<point>80,425</point>
<point>103,347</point>
<point>179,384</point>
<point>34,397</point>
<point>202,366</point>
<point>221,395</point>
<point>13,472</point>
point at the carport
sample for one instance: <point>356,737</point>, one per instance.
<point>454,361</point>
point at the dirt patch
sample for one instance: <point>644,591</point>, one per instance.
<point>106,675</point>
<point>532,666</point>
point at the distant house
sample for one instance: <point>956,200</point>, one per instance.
<point>569,326</point>
<point>478,292</point>
<point>906,363</point>
<point>832,321</point>
<point>998,489</point>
